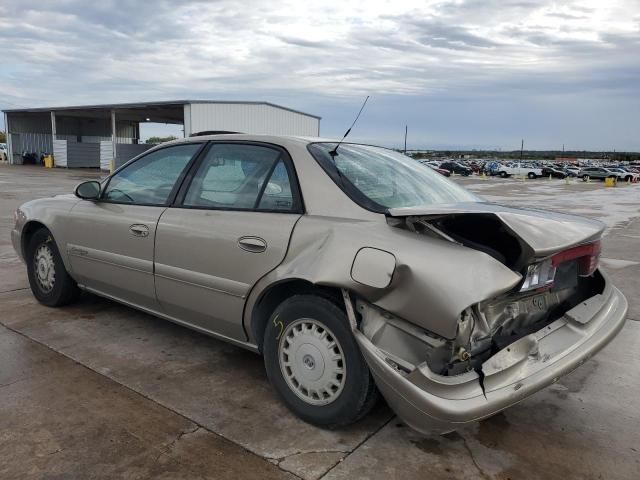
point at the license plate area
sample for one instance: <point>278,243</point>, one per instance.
<point>537,303</point>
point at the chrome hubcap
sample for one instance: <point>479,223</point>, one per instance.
<point>45,268</point>
<point>312,362</point>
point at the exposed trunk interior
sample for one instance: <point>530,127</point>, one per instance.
<point>479,231</point>
<point>491,325</point>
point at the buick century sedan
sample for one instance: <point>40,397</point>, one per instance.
<point>352,269</point>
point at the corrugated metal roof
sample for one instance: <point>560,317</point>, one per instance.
<point>110,106</point>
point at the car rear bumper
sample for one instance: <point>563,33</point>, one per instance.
<point>432,403</point>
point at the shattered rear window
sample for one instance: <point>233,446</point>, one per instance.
<point>379,179</point>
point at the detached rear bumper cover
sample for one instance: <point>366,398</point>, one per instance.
<point>432,403</point>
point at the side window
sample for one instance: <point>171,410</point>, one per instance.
<point>277,193</point>
<point>235,176</point>
<point>150,179</point>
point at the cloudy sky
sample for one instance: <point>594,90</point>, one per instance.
<point>464,73</point>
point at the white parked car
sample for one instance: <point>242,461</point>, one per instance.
<point>624,175</point>
<point>519,169</point>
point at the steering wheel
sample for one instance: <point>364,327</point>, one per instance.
<point>121,192</point>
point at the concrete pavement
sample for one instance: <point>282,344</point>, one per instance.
<point>98,390</point>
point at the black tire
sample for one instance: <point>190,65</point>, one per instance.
<point>64,289</point>
<point>585,178</point>
<point>359,393</point>
<point>531,175</point>
<point>504,174</point>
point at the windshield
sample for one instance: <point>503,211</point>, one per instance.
<point>379,179</point>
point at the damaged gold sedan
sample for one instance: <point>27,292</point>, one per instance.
<point>353,269</point>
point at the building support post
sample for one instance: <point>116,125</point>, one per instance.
<point>113,141</point>
<point>9,146</point>
<point>53,138</point>
<point>53,127</point>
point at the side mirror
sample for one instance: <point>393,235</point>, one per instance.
<point>88,190</point>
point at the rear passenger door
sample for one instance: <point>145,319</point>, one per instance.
<point>230,226</point>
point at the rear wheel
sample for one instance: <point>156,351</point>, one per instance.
<point>585,178</point>
<point>531,175</point>
<point>504,174</point>
<point>49,280</point>
<point>314,363</point>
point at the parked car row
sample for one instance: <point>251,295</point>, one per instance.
<point>619,173</point>
<point>533,170</point>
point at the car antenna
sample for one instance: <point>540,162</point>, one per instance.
<point>334,152</point>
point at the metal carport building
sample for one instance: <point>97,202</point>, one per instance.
<point>109,135</point>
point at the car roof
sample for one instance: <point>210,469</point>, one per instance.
<point>283,140</point>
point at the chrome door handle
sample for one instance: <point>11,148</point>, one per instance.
<point>139,230</point>
<point>252,244</point>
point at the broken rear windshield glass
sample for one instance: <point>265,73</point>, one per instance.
<point>379,179</point>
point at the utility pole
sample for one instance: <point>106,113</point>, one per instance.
<point>406,127</point>
<point>521,149</point>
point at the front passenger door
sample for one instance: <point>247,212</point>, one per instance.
<point>112,245</point>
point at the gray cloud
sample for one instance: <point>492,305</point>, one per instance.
<point>325,58</point>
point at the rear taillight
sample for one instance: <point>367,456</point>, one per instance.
<point>588,257</point>
<point>541,275</point>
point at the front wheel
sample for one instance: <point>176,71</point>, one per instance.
<point>50,283</point>
<point>314,363</point>
<point>531,175</point>
<point>504,174</point>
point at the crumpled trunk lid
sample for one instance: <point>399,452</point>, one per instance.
<point>543,233</point>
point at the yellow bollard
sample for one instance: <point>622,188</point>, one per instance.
<point>609,182</point>
<point>566,180</point>
<point>549,176</point>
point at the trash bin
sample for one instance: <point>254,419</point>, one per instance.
<point>48,161</point>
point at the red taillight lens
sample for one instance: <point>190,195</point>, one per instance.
<point>588,257</point>
<point>541,275</point>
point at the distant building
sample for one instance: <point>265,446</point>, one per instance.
<point>105,135</point>
<point>567,159</point>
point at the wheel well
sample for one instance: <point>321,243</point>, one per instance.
<point>27,232</point>
<point>278,293</point>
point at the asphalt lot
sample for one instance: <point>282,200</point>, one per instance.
<point>98,390</point>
